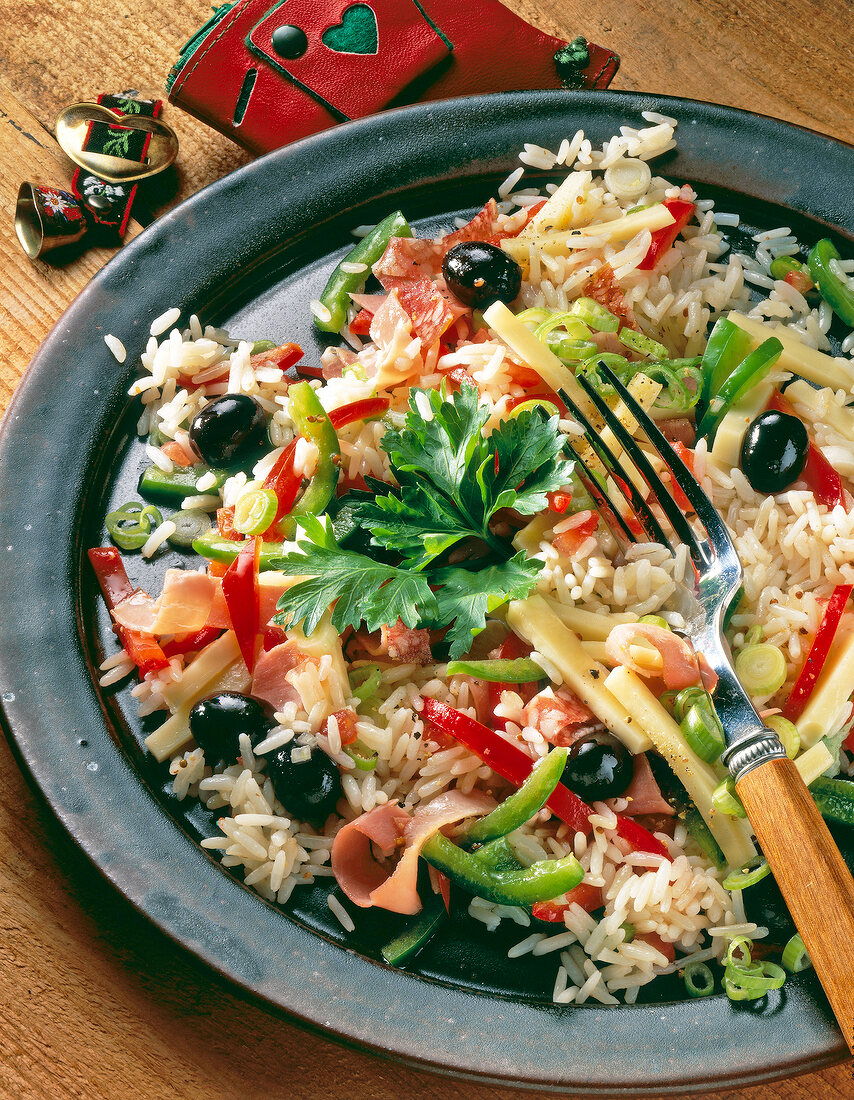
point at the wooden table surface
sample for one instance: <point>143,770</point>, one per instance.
<point>94,1002</point>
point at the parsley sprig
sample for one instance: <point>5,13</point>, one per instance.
<point>452,480</point>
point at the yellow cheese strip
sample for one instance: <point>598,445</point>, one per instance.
<point>797,357</point>
<point>534,620</point>
<point>814,762</point>
<point>699,778</point>
<point>620,229</point>
<point>726,451</point>
<point>592,626</point>
<point>206,665</point>
<point>559,211</point>
<point>833,688</point>
<point>838,417</point>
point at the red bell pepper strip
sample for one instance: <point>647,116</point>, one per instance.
<point>361,323</point>
<point>505,759</point>
<point>142,648</point>
<point>817,655</point>
<point>240,590</point>
<point>662,239</point>
<point>587,896</point>
<point>284,482</point>
<point>444,889</point>
<point>189,643</point>
<point>283,356</point>
<point>821,479</point>
<point>367,409</point>
<point>639,838</point>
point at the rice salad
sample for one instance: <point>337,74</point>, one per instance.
<point>407,655</point>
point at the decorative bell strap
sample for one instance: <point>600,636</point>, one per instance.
<point>108,205</point>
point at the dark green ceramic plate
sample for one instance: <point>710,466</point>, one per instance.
<point>250,252</point>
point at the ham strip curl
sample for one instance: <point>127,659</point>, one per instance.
<point>681,667</point>
<point>360,874</point>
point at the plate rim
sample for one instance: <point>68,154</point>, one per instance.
<point>28,399</point>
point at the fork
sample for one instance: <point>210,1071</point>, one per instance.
<point>808,867</point>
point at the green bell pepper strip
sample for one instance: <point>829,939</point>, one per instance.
<point>785,265</point>
<point>746,375</point>
<point>834,290</point>
<point>521,671</point>
<point>417,933</point>
<point>341,284</point>
<point>311,422</point>
<point>261,346</point>
<point>157,485</point>
<point>520,806</point>
<point>470,870</point>
<point>726,348</point>
<point>834,798</point>
<point>215,548</point>
<point>703,837</point>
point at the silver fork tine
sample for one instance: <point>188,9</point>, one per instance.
<point>682,476</point>
<point>662,494</point>
<point>616,524</point>
<point>646,518</point>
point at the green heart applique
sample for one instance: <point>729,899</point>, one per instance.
<point>356,33</point>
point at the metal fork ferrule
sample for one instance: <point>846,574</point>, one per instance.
<point>745,755</point>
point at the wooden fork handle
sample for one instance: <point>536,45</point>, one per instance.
<point>811,874</point>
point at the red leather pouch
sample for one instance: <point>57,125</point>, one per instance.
<point>266,75</point>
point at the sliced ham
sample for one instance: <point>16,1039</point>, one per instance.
<point>183,606</point>
<point>603,288</point>
<point>407,645</point>
<point>428,309</point>
<point>354,865</point>
<point>334,360</point>
<point>269,677</point>
<point>560,716</point>
<point>364,879</point>
<point>390,323</point>
<point>680,667</point>
<point>643,793</point>
<point>370,302</point>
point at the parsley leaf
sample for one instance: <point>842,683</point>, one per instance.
<point>360,587</point>
<point>466,597</point>
<point>453,479</point>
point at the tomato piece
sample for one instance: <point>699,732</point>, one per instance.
<point>559,501</point>
<point>225,524</point>
<point>568,542</point>
<point>587,896</point>
<point>654,940</point>
<point>662,239</point>
<point>176,453</point>
<point>361,323</point>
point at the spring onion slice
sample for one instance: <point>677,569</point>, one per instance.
<point>363,758</point>
<point>595,315</point>
<point>745,980</point>
<point>643,344</point>
<point>685,699</point>
<point>130,524</point>
<point>572,351</point>
<point>761,668</point>
<point>787,732</point>
<point>699,980</point>
<point>654,620</point>
<point>726,800</point>
<point>255,511</point>
<point>749,875</point>
<point>795,957</point>
<point>575,328</point>
<point>703,731</point>
<point>543,403</point>
<point>189,525</point>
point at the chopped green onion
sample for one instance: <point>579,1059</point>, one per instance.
<point>745,980</point>
<point>761,668</point>
<point>703,731</point>
<point>787,732</point>
<point>628,932</point>
<point>685,699</point>
<point>536,315</point>
<point>754,635</point>
<point>255,511</point>
<point>548,407</point>
<point>654,620</point>
<point>131,524</point>
<point>699,980</point>
<point>595,315</point>
<point>362,757</point>
<point>190,524</point>
<point>795,957</point>
<point>364,682</point>
<point>575,328</point>
<point>520,671</point>
<point>572,351</point>
<point>725,800</point>
<point>643,344</point>
<point>749,875</point>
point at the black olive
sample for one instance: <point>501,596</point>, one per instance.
<point>217,722</point>
<point>478,273</point>
<point>598,766</point>
<point>310,789</point>
<point>774,451</point>
<point>230,430</point>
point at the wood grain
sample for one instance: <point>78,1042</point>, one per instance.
<point>95,1004</point>
<point>811,874</point>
